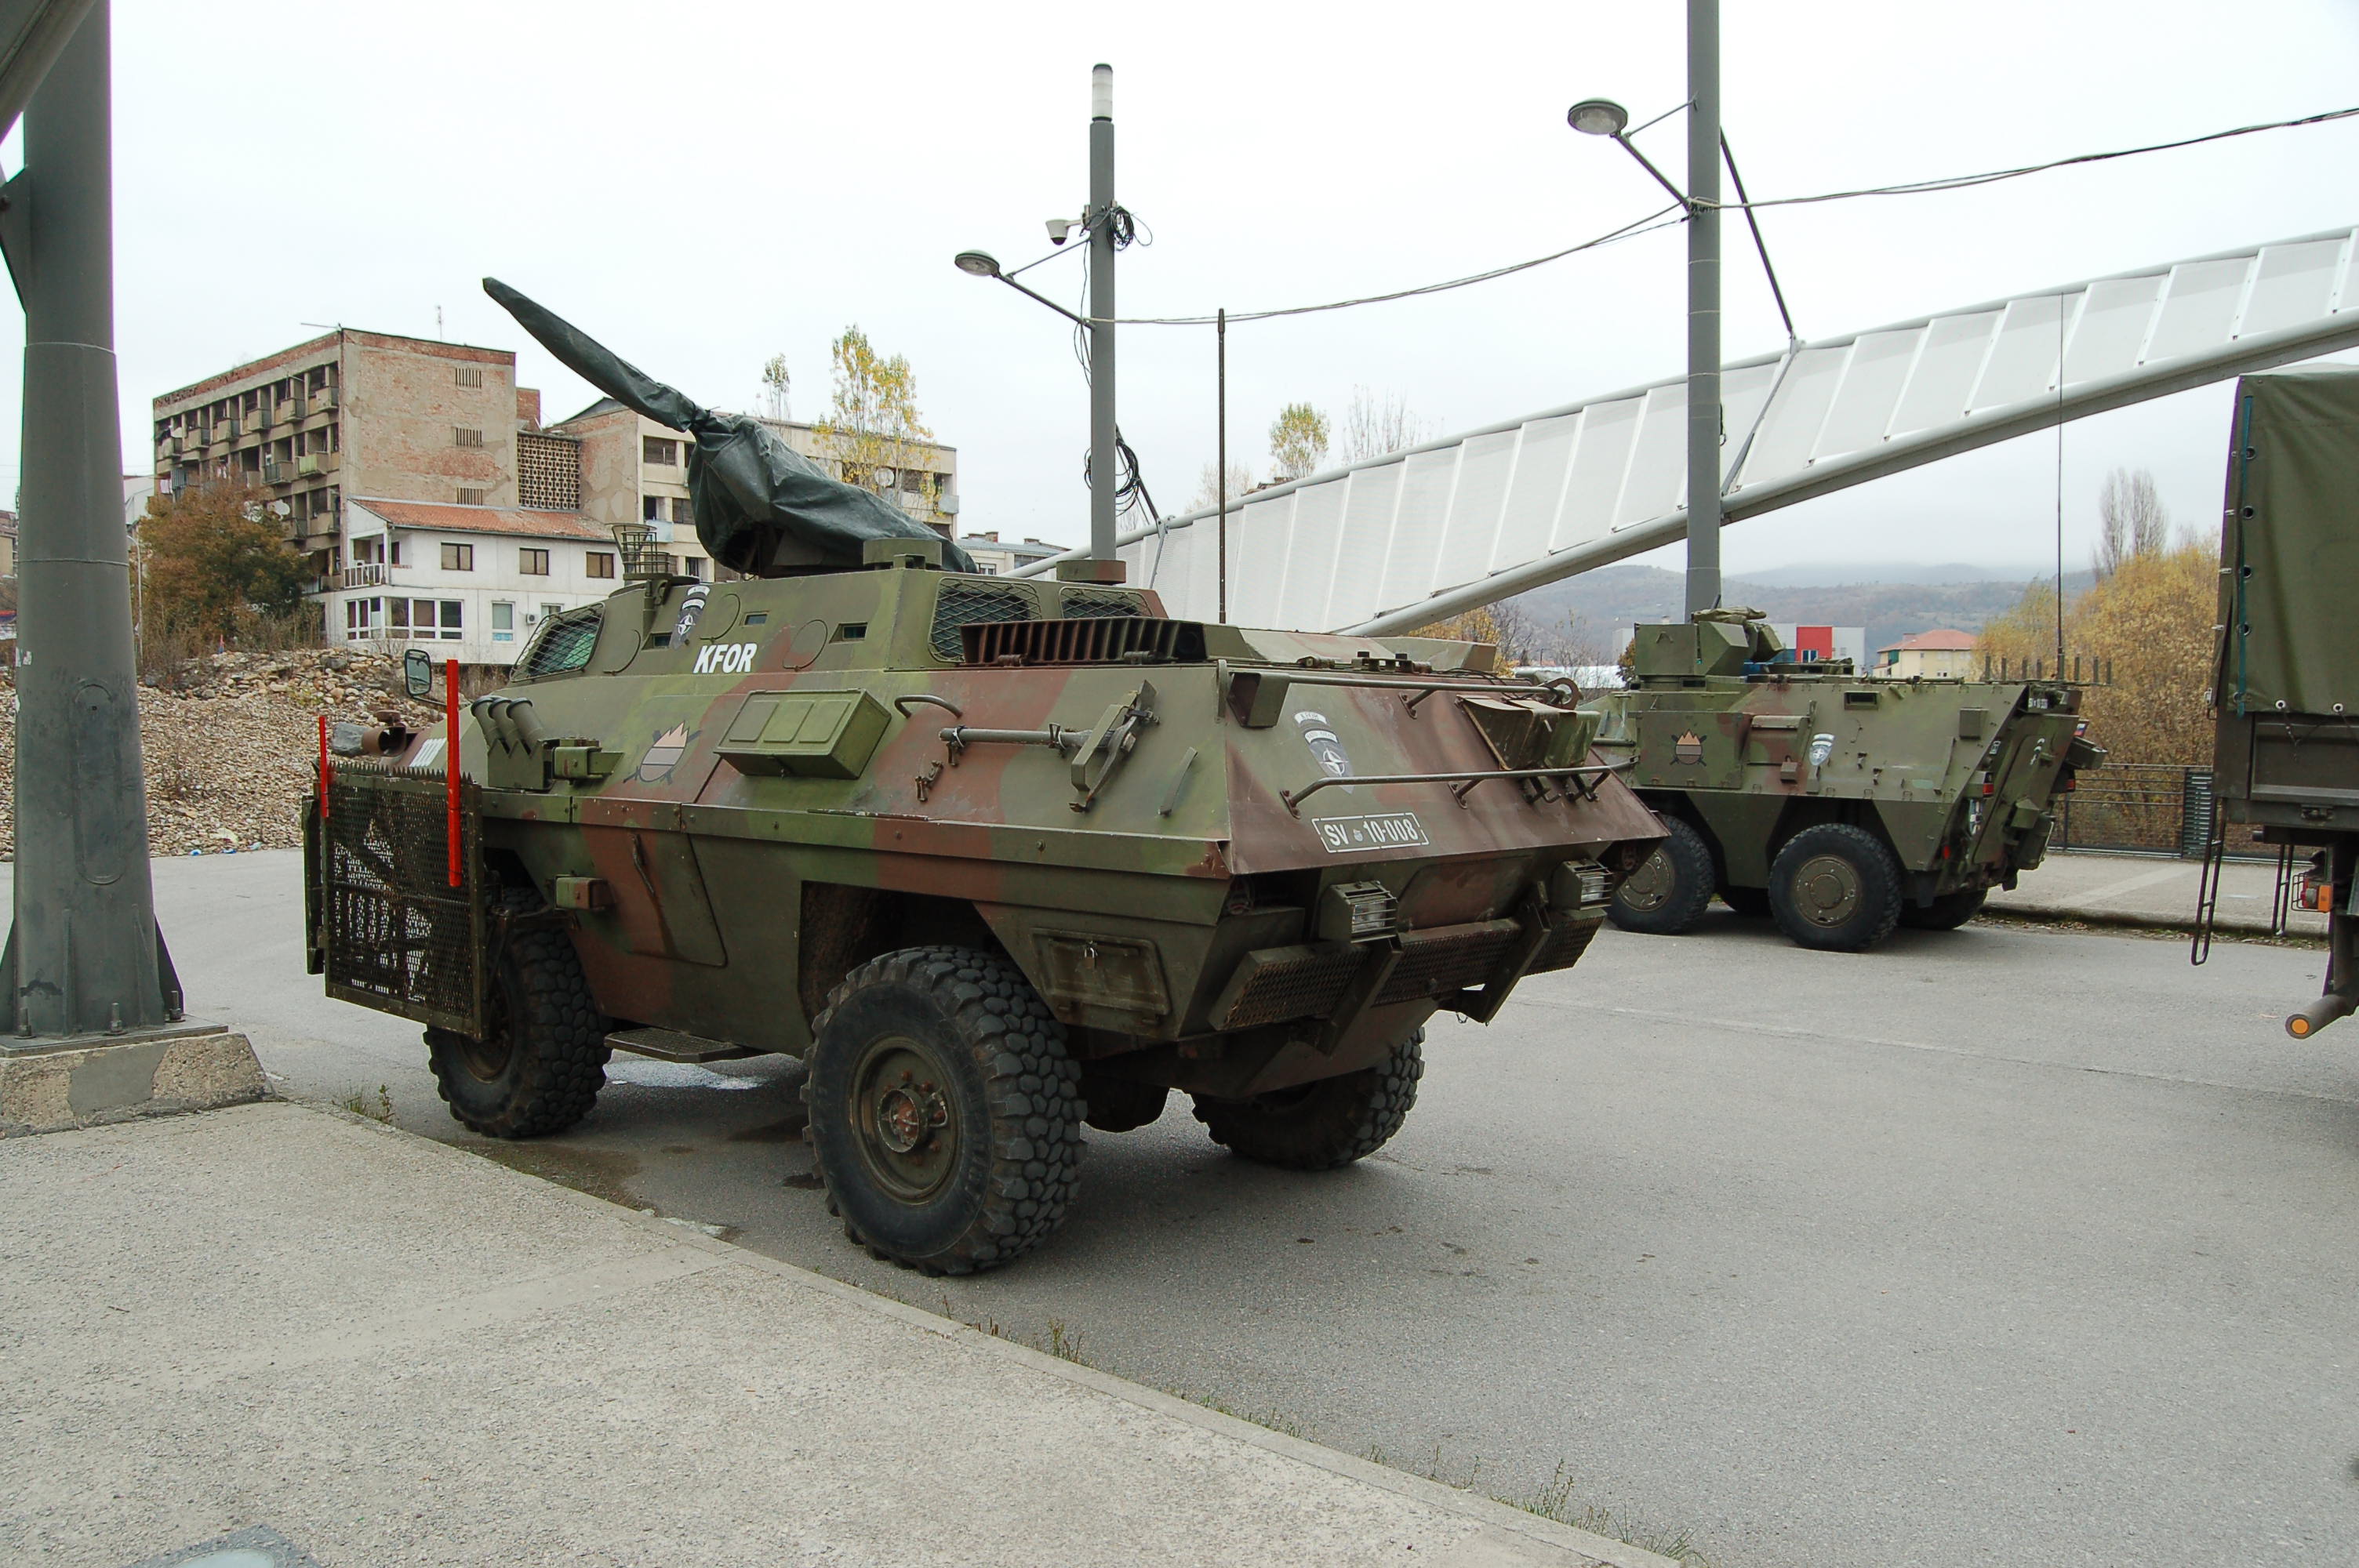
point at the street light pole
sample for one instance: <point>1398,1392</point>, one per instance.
<point>83,955</point>
<point>1703,305</point>
<point>1103,466</point>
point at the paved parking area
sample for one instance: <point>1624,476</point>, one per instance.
<point>2008,1243</point>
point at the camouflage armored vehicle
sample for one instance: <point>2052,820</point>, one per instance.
<point>1840,805</point>
<point>993,858</point>
<point>2285,683</point>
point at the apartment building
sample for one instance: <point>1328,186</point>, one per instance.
<point>635,470</point>
<point>995,557</point>
<point>350,413</point>
<point>465,582</point>
<point>386,456</point>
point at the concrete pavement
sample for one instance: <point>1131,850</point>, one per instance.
<point>391,1353</point>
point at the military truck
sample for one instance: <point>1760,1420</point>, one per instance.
<point>1839,805</point>
<point>2285,682</point>
<point>995,858</point>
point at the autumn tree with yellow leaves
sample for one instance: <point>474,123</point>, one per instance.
<point>2148,622</point>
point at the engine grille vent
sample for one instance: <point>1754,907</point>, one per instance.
<point>1095,640</point>
<point>1083,604</point>
<point>964,602</point>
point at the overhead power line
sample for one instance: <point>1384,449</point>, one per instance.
<point>1660,219</point>
<point>1962,181</point>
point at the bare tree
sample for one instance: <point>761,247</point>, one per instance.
<point>776,386</point>
<point>1241,480</point>
<point>1375,424</point>
<point>2132,522</point>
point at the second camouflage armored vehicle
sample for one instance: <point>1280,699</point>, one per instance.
<point>1837,805</point>
<point>993,858</point>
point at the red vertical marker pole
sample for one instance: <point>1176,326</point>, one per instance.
<point>324,767</point>
<point>451,756</point>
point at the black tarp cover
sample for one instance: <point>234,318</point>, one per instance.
<point>761,508</point>
<point>2291,612</point>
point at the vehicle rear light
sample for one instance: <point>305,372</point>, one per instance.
<point>1989,788</point>
<point>2068,784</point>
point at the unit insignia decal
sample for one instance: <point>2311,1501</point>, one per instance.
<point>1688,749</point>
<point>1324,745</point>
<point>691,609</point>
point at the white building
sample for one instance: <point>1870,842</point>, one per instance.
<point>466,582</point>
<point>994,558</point>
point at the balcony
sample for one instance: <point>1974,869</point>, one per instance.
<point>325,398</point>
<point>276,472</point>
<point>368,574</point>
<point>313,464</point>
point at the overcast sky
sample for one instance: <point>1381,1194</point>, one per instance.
<point>702,187</point>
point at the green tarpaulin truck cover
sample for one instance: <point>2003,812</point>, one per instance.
<point>2290,546</point>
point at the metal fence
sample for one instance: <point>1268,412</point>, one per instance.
<point>2152,807</point>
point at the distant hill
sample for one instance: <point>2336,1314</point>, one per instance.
<point>1609,597</point>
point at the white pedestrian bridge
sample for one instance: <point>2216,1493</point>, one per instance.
<point>1398,541</point>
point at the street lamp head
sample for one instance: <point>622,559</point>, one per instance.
<point>976,263</point>
<point>1597,117</point>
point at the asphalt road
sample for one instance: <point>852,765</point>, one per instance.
<point>2006,1244</point>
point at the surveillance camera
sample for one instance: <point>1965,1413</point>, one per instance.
<point>1058,228</point>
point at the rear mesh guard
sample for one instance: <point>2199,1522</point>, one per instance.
<point>397,936</point>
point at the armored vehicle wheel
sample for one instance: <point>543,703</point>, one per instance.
<point>1946,913</point>
<point>1668,891</point>
<point>1751,902</point>
<point>1835,887</point>
<point>1322,1125</point>
<point>543,1061</point>
<point>945,1113</point>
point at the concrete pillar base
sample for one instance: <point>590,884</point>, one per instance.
<point>82,1080</point>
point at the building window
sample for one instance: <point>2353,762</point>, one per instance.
<point>602,563</point>
<point>424,620</point>
<point>651,508</point>
<point>692,565</point>
<point>364,618</point>
<point>679,512</point>
<point>503,621</point>
<point>462,436</point>
<point>470,497</point>
<point>468,375</point>
<point>533,563</point>
<point>657,452</point>
<point>395,558</point>
<point>458,557</point>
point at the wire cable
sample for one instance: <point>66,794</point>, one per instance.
<point>1631,229</point>
<point>1964,181</point>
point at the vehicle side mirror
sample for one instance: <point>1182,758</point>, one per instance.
<point>417,672</point>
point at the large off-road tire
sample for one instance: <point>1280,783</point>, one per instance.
<point>1751,902</point>
<point>1323,1125</point>
<point>1836,888</point>
<point>1947,913</point>
<point>1668,891</point>
<point>543,1061</point>
<point>945,1110</point>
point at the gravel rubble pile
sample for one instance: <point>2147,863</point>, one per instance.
<point>232,746</point>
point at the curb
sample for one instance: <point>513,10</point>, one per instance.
<point>2226,926</point>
